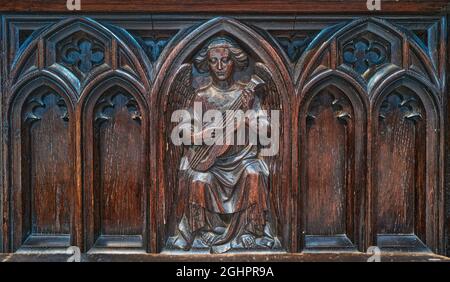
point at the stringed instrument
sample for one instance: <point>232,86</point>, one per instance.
<point>203,157</point>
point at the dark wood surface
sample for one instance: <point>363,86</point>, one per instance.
<point>225,6</point>
<point>447,153</point>
<point>86,104</point>
<point>343,257</point>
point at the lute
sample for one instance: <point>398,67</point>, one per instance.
<point>203,157</point>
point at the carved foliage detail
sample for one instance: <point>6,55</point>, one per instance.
<point>107,105</point>
<point>406,104</point>
<point>155,46</point>
<point>81,53</point>
<point>36,106</point>
<point>295,45</point>
<point>362,54</point>
<point>339,105</point>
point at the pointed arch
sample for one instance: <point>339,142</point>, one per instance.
<point>115,132</point>
<point>406,132</point>
<point>409,79</point>
<point>191,42</point>
<point>331,120</point>
<point>110,47</point>
<point>38,78</point>
<point>328,41</point>
<point>182,52</point>
<point>40,112</point>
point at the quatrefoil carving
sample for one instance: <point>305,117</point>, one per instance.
<point>362,54</point>
<point>81,53</point>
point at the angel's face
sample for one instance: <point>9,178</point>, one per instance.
<point>220,63</point>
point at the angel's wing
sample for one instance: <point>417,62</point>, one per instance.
<point>271,101</point>
<point>181,92</point>
<point>181,96</point>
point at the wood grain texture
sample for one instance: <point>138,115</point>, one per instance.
<point>327,167</point>
<point>116,207</point>
<point>399,145</point>
<point>233,6</point>
<point>332,170</point>
<point>43,157</point>
<point>50,177</point>
<point>86,103</point>
<point>304,257</point>
<point>119,155</point>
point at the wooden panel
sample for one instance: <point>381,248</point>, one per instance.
<point>270,191</point>
<point>86,107</point>
<point>403,178</point>
<point>45,181</point>
<point>119,163</point>
<point>329,170</point>
<point>119,173</point>
<point>400,165</point>
<point>49,151</point>
<point>327,165</point>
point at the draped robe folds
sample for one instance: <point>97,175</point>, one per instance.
<point>231,199</point>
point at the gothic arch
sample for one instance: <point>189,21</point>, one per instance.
<point>78,49</point>
<point>191,42</point>
<point>335,41</point>
<point>115,130</point>
<point>261,51</point>
<point>337,104</point>
<point>35,107</point>
<point>406,106</point>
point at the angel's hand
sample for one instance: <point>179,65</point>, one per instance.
<point>197,137</point>
<point>210,132</point>
<point>205,134</point>
<point>247,99</point>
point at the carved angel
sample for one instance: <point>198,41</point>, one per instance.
<point>225,205</point>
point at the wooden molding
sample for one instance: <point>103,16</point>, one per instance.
<point>231,6</point>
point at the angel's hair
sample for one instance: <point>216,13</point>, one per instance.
<point>238,55</point>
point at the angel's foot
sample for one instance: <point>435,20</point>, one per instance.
<point>177,243</point>
<point>208,238</point>
<point>248,241</point>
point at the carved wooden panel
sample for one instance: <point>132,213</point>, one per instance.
<point>88,158</point>
<point>404,136</point>
<point>43,110</point>
<point>401,126</point>
<point>331,169</point>
<point>328,188</point>
<point>117,216</point>
<point>180,91</point>
<point>394,92</point>
<point>43,157</point>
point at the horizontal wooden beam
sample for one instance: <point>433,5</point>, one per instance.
<point>329,257</point>
<point>230,6</point>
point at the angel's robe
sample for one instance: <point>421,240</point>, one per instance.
<point>231,199</point>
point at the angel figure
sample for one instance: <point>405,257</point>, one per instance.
<point>226,206</point>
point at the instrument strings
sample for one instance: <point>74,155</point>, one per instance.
<point>200,154</point>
